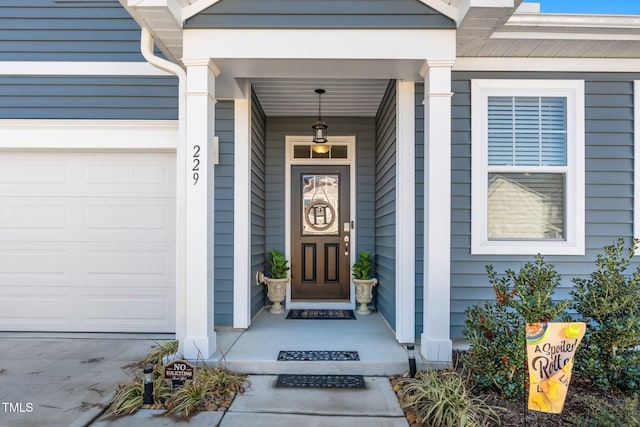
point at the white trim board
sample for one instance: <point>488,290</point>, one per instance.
<point>242,212</point>
<point>336,44</point>
<point>405,212</point>
<point>610,65</point>
<point>636,159</point>
<point>89,134</point>
<point>55,68</point>
<point>350,141</point>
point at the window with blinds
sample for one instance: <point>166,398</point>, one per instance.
<point>527,167</point>
<point>526,136</point>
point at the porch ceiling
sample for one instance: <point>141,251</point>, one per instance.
<point>343,97</point>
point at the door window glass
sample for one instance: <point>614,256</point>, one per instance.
<point>320,204</point>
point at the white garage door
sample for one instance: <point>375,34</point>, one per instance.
<point>87,241</point>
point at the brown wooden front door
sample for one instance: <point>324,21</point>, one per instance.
<point>320,236</point>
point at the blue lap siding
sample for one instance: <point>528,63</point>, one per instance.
<point>49,30</point>
<point>609,184</point>
<point>385,205</point>
<point>223,218</point>
<point>258,200</point>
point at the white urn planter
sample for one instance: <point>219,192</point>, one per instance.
<point>276,291</point>
<point>364,294</point>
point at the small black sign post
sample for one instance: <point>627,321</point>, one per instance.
<point>178,372</point>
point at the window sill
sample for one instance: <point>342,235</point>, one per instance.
<point>527,248</point>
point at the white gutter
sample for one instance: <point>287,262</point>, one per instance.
<point>146,47</point>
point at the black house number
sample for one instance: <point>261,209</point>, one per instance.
<point>196,164</point>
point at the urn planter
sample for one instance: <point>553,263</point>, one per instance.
<point>364,289</point>
<point>276,292</point>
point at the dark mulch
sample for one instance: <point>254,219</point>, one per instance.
<point>576,407</point>
<point>513,413</point>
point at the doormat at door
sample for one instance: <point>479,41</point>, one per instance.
<point>318,356</point>
<point>321,381</point>
<point>321,314</point>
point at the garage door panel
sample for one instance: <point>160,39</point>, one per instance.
<point>87,241</point>
<point>73,310</point>
<point>81,219</point>
<point>87,174</point>
<point>19,215</point>
<point>122,263</point>
<point>149,311</point>
<point>120,174</point>
<point>146,220</point>
<point>24,264</point>
<point>20,173</point>
<point>25,309</point>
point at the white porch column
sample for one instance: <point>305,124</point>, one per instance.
<point>436,343</point>
<point>242,211</point>
<point>405,212</point>
<point>199,340</point>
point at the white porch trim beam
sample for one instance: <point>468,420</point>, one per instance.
<point>242,211</point>
<point>200,338</point>
<point>336,44</point>
<point>436,343</point>
<point>405,212</point>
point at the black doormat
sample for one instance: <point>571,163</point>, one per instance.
<point>321,314</point>
<point>321,381</point>
<point>317,355</point>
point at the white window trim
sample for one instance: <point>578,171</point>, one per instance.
<point>573,90</point>
<point>636,161</point>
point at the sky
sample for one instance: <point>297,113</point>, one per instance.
<point>609,7</point>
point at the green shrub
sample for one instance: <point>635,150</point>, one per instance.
<point>606,414</point>
<point>362,267</point>
<point>497,358</point>
<point>609,302</point>
<point>441,399</point>
<point>278,265</point>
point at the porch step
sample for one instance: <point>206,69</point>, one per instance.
<point>272,367</point>
<point>255,350</point>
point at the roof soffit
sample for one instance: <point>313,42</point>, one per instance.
<point>313,14</point>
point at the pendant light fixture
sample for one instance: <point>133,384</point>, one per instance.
<point>319,127</point>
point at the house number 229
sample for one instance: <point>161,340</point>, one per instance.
<point>196,164</point>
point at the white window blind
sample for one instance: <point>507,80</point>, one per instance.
<point>527,131</point>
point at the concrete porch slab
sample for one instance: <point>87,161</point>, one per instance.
<point>256,349</point>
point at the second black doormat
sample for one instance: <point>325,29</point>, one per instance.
<point>321,381</point>
<point>318,356</point>
<point>321,314</point>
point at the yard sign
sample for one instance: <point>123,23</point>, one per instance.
<point>550,350</point>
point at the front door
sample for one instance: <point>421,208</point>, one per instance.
<point>320,224</point>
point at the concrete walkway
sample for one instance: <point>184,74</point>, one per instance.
<point>266,406</point>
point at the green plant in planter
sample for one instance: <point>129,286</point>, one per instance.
<point>278,264</point>
<point>362,267</point>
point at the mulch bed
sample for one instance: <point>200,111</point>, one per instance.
<point>513,413</point>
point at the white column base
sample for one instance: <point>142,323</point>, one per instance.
<point>436,351</point>
<point>199,348</point>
